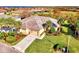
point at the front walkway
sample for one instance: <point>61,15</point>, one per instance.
<point>22,45</point>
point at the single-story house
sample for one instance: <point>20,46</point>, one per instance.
<point>32,25</point>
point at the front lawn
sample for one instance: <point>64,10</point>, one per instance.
<point>45,45</point>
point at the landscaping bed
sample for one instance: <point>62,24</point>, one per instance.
<point>11,38</point>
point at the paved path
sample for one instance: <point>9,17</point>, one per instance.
<point>22,45</point>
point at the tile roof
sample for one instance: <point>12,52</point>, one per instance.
<point>7,49</point>
<point>33,22</point>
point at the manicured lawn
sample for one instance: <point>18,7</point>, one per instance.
<point>45,45</point>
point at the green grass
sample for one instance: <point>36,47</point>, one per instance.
<point>45,45</point>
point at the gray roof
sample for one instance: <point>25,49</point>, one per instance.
<point>7,49</point>
<point>33,23</point>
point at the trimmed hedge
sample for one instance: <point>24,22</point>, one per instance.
<point>10,39</point>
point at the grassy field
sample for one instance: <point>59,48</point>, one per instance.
<point>45,45</point>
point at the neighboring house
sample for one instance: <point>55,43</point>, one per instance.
<point>7,29</point>
<point>2,11</point>
<point>17,18</point>
<point>54,23</point>
<point>32,25</point>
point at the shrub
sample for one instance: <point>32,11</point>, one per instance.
<point>10,39</point>
<point>1,35</point>
<point>60,21</point>
<point>77,24</point>
<point>52,29</point>
<point>11,33</point>
<point>66,22</point>
<point>64,29</point>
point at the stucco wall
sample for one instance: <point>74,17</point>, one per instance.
<point>41,32</point>
<point>42,36</point>
<point>25,32</point>
<point>34,32</point>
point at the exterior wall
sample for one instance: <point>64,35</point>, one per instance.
<point>40,31</point>
<point>34,32</point>
<point>41,34</point>
<point>25,31</point>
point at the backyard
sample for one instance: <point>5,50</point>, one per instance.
<point>46,44</point>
